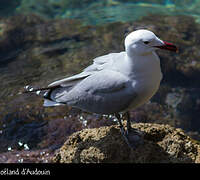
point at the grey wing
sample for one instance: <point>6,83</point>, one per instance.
<point>65,84</point>
<point>104,92</point>
<point>70,81</point>
<point>99,63</point>
<point>104,62</point>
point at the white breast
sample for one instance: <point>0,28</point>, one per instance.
<point>146,77</point>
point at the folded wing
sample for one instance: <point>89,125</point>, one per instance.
<point>64,86</point>
<point>99,64</point>
<point>105,91</point>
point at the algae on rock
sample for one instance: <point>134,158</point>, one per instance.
<point>162,144</point>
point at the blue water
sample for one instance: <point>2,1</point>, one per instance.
<point>100,11</point>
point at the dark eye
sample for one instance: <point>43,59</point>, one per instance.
<point>146,42</point>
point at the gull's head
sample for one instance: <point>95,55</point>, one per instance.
<point>143,42</point>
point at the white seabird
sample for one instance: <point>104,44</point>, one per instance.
<point>116,82</point>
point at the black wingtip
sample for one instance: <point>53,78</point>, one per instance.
<point>30,89</point>
<point>44,92</point>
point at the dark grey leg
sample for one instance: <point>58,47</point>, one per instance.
<point>128,120</point>
<point>120,123</point>
<point>134,136</point>
<point>123,131</point>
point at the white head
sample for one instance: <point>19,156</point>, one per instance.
<point>143,42</point>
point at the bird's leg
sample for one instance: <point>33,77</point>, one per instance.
<point>120,123</point>
<point>123,131</point>
<point>133,135</point>
<point>128,125</point>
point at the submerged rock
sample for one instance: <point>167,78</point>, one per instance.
<point>162,144</point>
<point>8,7</point>
<point>26,156</point>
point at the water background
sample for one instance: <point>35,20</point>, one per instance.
<point>100,11</point>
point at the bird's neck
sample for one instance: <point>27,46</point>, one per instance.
<point>145,65</point>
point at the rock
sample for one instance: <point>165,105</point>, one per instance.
<point>185,105</point>
<point>26,156</point>
<point>162,144</point>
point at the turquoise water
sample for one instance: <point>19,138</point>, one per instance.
<point>100,11</point>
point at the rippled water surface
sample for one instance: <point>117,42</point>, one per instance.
<point>100,11</point>
<point>45,40</point>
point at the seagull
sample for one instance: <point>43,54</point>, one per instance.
<point>114,83</point>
